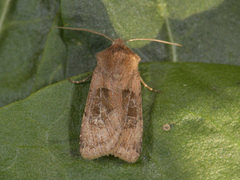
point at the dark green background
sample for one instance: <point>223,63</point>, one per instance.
<point>200,83</point>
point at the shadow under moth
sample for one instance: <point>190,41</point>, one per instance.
<point>112,123</point>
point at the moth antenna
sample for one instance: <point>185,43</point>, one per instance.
<point>87,30</point>
<point>156,40</point>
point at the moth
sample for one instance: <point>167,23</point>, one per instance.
<point>112,123</point>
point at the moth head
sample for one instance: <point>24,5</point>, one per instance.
<point>119,56</point>
<point>118,53</point>
<point>119,42</point>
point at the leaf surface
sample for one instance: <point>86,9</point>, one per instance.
<point>40,134</point>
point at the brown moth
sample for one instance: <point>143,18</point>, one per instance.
<point>112,123</point>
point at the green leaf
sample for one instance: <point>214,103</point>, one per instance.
<point>24,29</point>
<point>40,134</point>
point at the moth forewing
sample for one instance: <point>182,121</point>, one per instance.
<point>100,126</point>
<point>129,144</point>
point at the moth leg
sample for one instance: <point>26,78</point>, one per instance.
<point>145,85</point>
<point>78,82</point>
